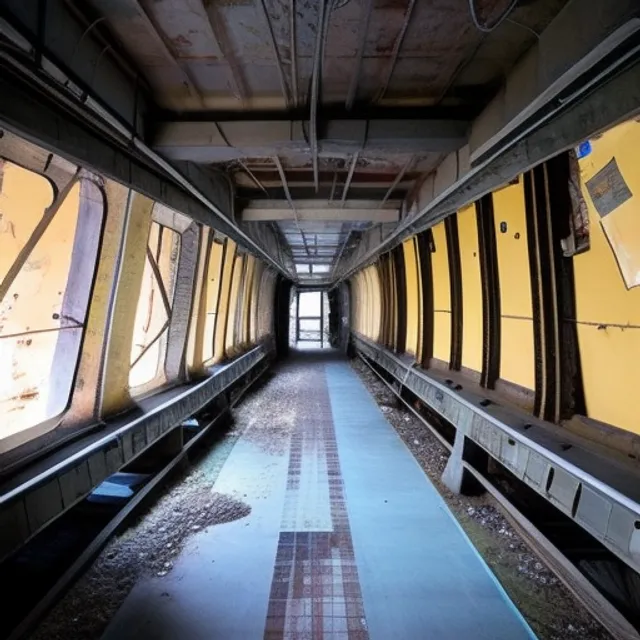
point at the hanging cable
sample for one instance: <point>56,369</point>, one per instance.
<point>489,28</point>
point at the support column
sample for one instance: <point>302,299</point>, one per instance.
<point>455,477</point>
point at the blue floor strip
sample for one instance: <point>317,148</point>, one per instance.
<point>420,575</point>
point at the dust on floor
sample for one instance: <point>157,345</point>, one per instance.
<point>547,605</point>
<point>150,546</point>
<point>147,548</point>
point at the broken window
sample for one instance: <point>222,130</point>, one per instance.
<point>49,240</point>
<point>153,314</point>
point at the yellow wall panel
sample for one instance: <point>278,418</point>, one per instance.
<point>212,288</point>
<point>255,296</point>
<point>413,296</point>
<point>517,363</point>
<point>84,399</point>
<point>376,304</point>
<point>610,354</point>
<point>364,304</point>
<point>194,354</point>
<point>223,301</point>
<point>517,360</point>
<point>441,295</point>
<point>235,307</point>
<point>115,383</point>
<point>442,336</point>
<point>471,289</point>
<point>246,298</point>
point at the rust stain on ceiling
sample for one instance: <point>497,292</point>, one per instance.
<point>237,57</point>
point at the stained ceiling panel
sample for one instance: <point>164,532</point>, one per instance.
<point>230,75</point>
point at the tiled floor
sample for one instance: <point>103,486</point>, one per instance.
<point>315,591</point>
<point>347,539</point>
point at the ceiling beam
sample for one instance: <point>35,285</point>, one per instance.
<point>396,50</point>
<point>321,204</point>
<point>303,177</point>
<point>247,195</point>
<point>216,141</point>
<point>273,210</point>
<point>276,53</point>
<point>220,35</point>
<point>362,41</point>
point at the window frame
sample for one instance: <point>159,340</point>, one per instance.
<point>62,177</point>
<point>228,263</point>
<point>172,370</point>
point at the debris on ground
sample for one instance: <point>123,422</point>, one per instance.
<point>268,417</point>
<point>547,605</point>
<point>151,546</point>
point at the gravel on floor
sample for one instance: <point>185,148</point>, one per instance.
<point>550,609</point>
<point>269,417</point>
<point>150,546</point>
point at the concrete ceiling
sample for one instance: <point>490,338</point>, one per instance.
<point>319,107</point>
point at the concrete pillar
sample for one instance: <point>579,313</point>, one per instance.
<point>455,477</point>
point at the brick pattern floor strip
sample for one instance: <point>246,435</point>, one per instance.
<point>315,592</point>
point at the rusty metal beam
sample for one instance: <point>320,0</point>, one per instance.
<point>285,186</point>
<point>274,46</point>
<point>156,33</point>
<point>219,34</point>
<point>315,88</point>
<point>333,186</point>
<point>396,51</point>
<point>364,28</point>
<point>222,141</point>
<point>278,210</point>
<point>352,168</point>
<point>294,51</point>
<point>253,177</point>
<point>338,256</point>
<point>397,181</point>
<point>158,276</point>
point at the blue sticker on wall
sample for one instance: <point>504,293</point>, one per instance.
<point>584,149</point>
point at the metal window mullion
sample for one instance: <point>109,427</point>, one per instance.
<point>195,346</point>
<point>183,294</point>
<point>35,237</point>
<point>455,283</point>
<point>423,246</point>
<point>158,277</point>
<point>78,289</point>
<point>401,299</point>
<point>490,284</point>
<point>150,344</point>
